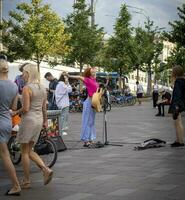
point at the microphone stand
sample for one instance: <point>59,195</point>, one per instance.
<point>105,132</point>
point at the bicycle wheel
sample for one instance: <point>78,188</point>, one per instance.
<point>14,149</point>
<point>134,101</point>
<point>47,150</point>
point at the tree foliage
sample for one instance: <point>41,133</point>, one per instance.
<point>177,36</point>
<point>120,44</point>
<point>148,46</point>
<point>86,39</point>
<point>33,32</point>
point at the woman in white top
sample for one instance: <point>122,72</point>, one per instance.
<point>155,94</point>
<point>62,100</point>
<point>139,92</point>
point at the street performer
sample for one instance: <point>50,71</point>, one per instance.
<point>88,132</point>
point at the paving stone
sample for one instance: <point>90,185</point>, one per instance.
<point>122,192</point>
<point>112,172</point>
<point>166,187</point>
<point>78,196</point>
<point>104,177</point>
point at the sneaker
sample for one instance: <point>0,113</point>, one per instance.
<point>177,144</point>
<point>64,133</point>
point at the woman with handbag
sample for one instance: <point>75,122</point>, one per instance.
<point>88,132</point>
<point>33,118</point>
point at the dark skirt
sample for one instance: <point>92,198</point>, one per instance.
<point>139,95</point>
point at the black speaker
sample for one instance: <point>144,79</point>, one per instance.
<point>59,143</point>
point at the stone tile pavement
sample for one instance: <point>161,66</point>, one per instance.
<point>114,172</point>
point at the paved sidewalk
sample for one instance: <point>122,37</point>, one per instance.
<point>114,173</point>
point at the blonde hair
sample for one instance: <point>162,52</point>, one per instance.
<point>3,66</point>
<point>34,76</point>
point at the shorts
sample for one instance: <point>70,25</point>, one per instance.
<point>139,95</point>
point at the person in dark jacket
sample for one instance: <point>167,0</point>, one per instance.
<point>166,98</point>
<point>51,91</point>
<point>178,104</point>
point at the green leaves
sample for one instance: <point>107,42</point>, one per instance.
<point>86,40</point>
<point>35,31</point>
<point>177,35</point>
<point>120,44</point>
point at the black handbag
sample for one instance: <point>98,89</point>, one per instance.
<point>59,143</point>
<point>42,148</point>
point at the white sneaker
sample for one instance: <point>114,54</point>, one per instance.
<point>15,128</point>
<point>64,133</point>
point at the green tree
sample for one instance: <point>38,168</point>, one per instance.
<point>33,32</point>
<point>138,55</point>
<point>120,44</point>
<point>86,39</point>
<point>177,36</point>
<point>151,49</point>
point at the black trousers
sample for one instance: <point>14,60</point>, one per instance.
<point>155,96</point>
<point>161,105</point>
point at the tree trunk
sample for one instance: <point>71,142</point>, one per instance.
<point>81,67</point>
<point>137,72</point>
<point>120,75</point>
<point>149,83</point>
<point>38,66</point>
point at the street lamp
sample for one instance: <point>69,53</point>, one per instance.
<point>93,6</point>
<point>1,20</point>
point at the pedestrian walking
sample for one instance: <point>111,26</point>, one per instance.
<point>62,100</point>
<point>51,91</point>
<point>19,79</point>
<point>20,84</point>
<point>155,94</point>
<point>178,104</point>
<point>139,92</point>
<point>88,132</point>
<point>8,100</point>
<point>34,117</point>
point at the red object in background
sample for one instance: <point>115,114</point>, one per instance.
<point>16,120</point>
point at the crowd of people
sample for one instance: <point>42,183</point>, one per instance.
<point>28,98</point>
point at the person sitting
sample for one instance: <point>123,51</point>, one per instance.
<point>127,91</point>
<point>166,98</point>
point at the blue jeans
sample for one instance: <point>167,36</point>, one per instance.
<point>88,131</point>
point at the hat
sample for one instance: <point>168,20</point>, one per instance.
<point>3,66</point>
<point>162,90</point>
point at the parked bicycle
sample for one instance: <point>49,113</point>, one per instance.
<point>44,147</point>
<point>117,100</point>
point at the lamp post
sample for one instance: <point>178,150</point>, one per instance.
<point>93,6</point>
<point>1,20</point>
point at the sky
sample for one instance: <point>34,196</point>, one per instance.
<point>159,11</point>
